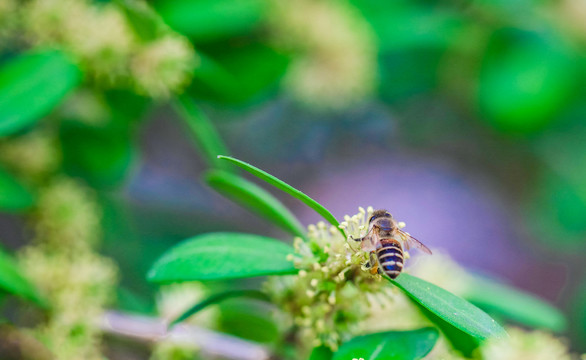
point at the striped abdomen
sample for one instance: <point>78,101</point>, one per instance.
<point>390,257</point>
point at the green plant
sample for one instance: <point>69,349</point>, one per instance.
<point>329,295</point>
<point>77,81</point>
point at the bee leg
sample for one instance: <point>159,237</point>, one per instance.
<point>373,262</point>
<point>357,240</point>
<point>370,263</point>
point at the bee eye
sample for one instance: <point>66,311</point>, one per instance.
<point>372,218</point>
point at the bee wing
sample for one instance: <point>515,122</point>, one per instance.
<point>369,241</point>
<point>411,241</point>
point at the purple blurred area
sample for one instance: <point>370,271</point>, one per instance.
<point>446,209</point>
<point>447,198</point>
<point>465,119</point>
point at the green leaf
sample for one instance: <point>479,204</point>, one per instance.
<point>217,256</point>
<point>14,197</point>
<point>254,198</point>
<point>249,319</point>
<point>281,185</point>
<point>209,20</point>
<point>31,86</point>
<point>390,345</point>
<point>238,74</point>
<point>14,283</point>
<point>256,68</point>
<point>147,25</point>
<point>516,305</point>
<point>321,353</point>
<point>203,131</point>
<point>459,340</point>
<point>451,308</point>
<point>216,298</point>
<point>211,81</point>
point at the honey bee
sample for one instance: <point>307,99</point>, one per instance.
<point>386,240</point>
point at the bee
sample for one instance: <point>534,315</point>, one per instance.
<point>386,240</point>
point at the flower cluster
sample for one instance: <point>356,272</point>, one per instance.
<point>77,281</point>
<point>525,345</point>
<point>335,296</point>
<point>67,217</point>
<point>172,301</point>
<point>441,270</point>
<point>99,36</point>
<point>333,290</point>
<point>87,107</point>
<point>33,156</point>
<point>8,23</point>
<point>337,51</point>
<point>161,66</point>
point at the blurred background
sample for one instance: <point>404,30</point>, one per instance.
<point>465,119</point>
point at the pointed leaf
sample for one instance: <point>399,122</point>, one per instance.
<point>217,256</point>
<point>281,185</point>
<point>515,304</point>
<point>13,282</point>
<point>249,319</point>
<point>216,298</point>
<point>458,339</point>
<point>202,130</point>
<point>31,86</point>
<point>449,307</point>
<point>254,198</point>
<point>390,345</point>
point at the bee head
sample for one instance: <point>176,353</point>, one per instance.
<point>379,214</point>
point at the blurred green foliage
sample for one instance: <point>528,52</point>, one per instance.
<point>13,282</point>
<point>31,86</point>
<point>206,21</point>
<point>14,196</point>
<point>88,75</point>
<point>526,78</point>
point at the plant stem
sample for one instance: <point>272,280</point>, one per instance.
<point>155,329</point>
